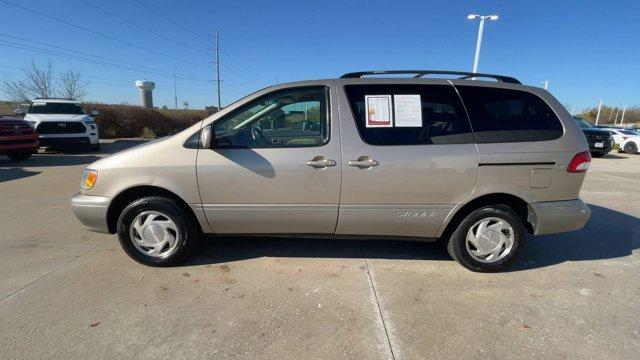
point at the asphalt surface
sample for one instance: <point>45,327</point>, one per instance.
<point>70,293</point>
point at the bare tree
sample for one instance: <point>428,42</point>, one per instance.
<point>40,82</point>
<point>16,90</point>
<point>72,85</point>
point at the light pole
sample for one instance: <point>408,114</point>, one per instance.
<point>546,84</point>
<point>479,41</point>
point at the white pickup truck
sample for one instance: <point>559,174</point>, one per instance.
<point>63,123</point>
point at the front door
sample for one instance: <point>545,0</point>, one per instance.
<point>409,159</point>
<point>275,166</point>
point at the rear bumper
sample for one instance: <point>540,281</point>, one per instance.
<point>91,211</point>
<point>558,216</point>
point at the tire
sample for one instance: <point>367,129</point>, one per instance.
<point>19,156</point>
<point>630,148</point>
<point>493,215</point>
<point>154,211</point>
<point>597,154</point>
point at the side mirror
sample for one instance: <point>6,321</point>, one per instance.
<point>207,136</point>
<point>18,112</point>
<point>95,113</point>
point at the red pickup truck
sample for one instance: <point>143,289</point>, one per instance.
<point>18,140</point>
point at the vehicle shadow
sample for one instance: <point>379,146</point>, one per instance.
<point>215,250</point>
<point>14,173</point>
<point>49,160</point>
<point>613,156</point>
<point>250,160</point>
<point>13,170</point>
<point>106,148</point>
<point>609,234</point>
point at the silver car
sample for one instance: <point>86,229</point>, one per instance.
<point>475,163</point>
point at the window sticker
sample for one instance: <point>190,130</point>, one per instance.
<point>378,110</point>
<point>407,110</point>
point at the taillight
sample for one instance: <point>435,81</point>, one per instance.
<point>580,162</point>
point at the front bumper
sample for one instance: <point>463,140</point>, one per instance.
<point>91,211</point>
<point>64,141</point>
<point>19,143</point>
<point>605,149</point>
<point>558,216</point>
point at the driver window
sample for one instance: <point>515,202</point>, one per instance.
<point>288,118</point>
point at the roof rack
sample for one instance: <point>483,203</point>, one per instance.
<point>420,73</point>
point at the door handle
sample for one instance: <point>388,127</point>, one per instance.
<point>363,162</point>
<point>321,162</point>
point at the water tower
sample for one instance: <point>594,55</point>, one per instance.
<point>146,96</point>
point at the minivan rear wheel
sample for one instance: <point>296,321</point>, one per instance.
<point>488,239</point>
<point>156,231</point>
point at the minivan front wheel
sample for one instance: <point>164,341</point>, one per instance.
<point>156,231</point>
<point>488,239</point>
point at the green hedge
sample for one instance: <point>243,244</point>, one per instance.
<point>124,121</point>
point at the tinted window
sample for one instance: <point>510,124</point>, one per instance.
<point>443,117</point>
<point>503,115</point>
<point>56,108</point>
<point>289,118</point>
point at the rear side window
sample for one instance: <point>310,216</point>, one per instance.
<point>436,115</point>
<point>504,115</point>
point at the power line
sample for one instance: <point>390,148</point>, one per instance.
<point>92,61</point>
<point>257,75</point>
<point>132,23</point>
<point>245,77</point>
<point>170,20</point>
<point>61,73</point>
<point>152,70</point>
<point>114,82</point>
<point>101,34</point>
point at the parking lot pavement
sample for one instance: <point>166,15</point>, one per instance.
<point>68,293</point>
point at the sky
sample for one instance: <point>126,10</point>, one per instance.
<point>589,50</point>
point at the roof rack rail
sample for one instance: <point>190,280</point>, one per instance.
<point>420,73</point>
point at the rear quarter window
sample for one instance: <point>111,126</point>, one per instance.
<point>505,115</point>
<point>443,120</point>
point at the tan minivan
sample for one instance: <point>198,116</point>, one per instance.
<point>370,154</point>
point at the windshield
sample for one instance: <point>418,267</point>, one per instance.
<point>583,123</point>
<point>56,108</point>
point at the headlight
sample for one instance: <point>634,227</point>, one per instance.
<point>89,178</point>
<point>32,124</point>
<point>90,123</point>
